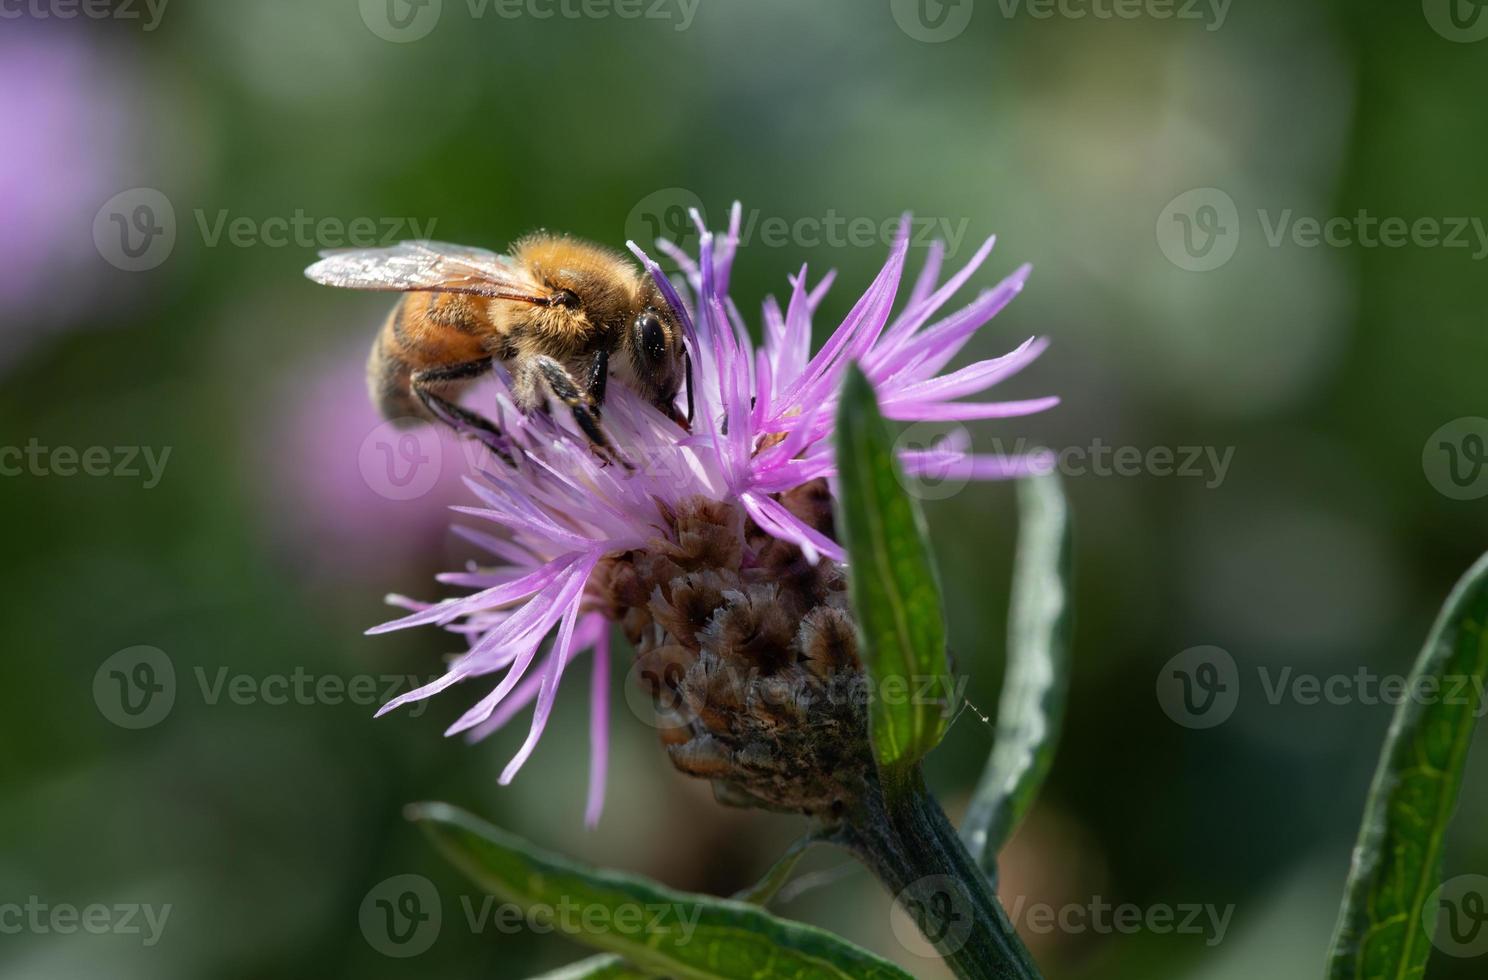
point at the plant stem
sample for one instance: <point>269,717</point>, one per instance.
<point>900,832</point>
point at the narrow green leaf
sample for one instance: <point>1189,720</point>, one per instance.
<point>605,966</point>
<point>656,929</point>
<point>1382,932</point>
<point>766,888</point>
<point>1031,709</point>
<point>610,967</point>
<point>892,580</point>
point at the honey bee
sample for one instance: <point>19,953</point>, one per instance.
<point>562,315</point>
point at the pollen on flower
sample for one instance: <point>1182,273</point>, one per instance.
<point>716,555</point>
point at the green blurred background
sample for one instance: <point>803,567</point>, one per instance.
<point>266,545</point>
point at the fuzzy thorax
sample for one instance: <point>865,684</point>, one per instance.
<point>750,655</point>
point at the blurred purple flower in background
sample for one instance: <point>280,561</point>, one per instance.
<point>62,120</point>
<point>349,494</point>
<point>763,427</point>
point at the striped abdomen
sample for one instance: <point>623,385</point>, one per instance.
<point>423,331</point>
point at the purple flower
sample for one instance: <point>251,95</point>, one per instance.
<point>59,103</point>
<point>337,500</point>
<point>763,426</point>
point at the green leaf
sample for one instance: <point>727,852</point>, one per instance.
<point>1397,861</point>
<point>1031,709</point>
<point>609,967</point>
<point>766,888</point>
<point>656,929</point>
<point>892,580</point>
<point>605,966</point>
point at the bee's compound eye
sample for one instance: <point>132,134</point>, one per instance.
<point>651,337</point>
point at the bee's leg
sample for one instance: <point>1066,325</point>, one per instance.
<point>562,384</point>
<point>687,359</point>
<point>458,418</point>
<point>599,374</point>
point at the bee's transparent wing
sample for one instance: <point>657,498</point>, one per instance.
<point>429,266</point>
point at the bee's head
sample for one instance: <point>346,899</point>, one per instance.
<point>657,356</point>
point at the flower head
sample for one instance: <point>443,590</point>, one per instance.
<point>715,542</point>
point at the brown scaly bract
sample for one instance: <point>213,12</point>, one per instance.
<point>750,653</point>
